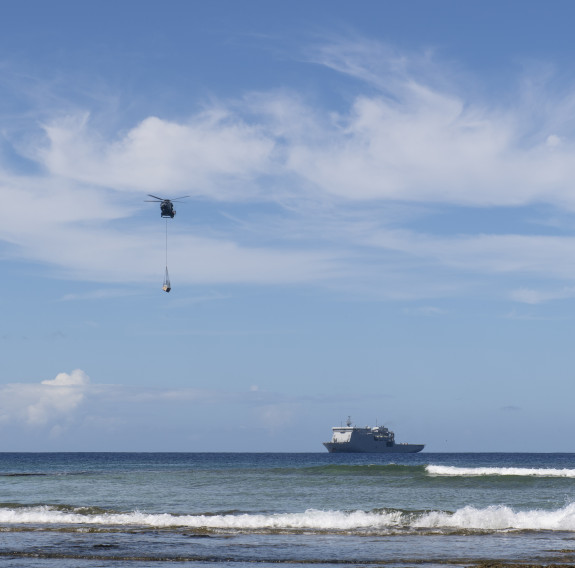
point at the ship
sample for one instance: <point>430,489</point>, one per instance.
<point>377,440</point>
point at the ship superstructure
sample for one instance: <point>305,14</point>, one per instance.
<point>377,439</point>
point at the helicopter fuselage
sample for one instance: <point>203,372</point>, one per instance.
<point>167,209</point>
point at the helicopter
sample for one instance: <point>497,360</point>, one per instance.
<point>166,205</point>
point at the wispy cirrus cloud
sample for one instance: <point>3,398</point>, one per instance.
<point>316,179</point>
<point>408,137</point>
<point>100,294</point>
<point>533,297</point>
<point>491,254</point>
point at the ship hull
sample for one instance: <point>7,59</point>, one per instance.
<point>374,448</point>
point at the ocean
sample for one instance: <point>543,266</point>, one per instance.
<point>198,509</point>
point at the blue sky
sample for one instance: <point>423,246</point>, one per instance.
<point>380,224</point>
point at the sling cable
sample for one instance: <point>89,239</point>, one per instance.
<point>167,211</point>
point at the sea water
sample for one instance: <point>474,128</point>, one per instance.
<point>160,509</point>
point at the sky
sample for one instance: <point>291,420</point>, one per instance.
<point>380,224</point>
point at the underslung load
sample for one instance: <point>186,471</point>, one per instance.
<point>167,286</point>
<point>167,211</point>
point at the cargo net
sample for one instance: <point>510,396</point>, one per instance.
<point>167,286</point>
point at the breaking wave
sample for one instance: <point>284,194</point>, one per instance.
<point>491,518</point>
<point>516,471</point>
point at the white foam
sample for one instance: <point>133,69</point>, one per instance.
<point>489,518</point>
<point>519,471</point>
<point>501,517</point>
<point>311,519</point>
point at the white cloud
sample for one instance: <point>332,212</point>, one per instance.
<point>533,297</point>
<point>426,136</point>
<point>527,296</point>
<point>75,378</point>
<point>492,254</point>
<point>54,403</point>
<point>37,404</point>
<point>553,141</point>
<point>101,294</point>
<point>76,237</point>
<point>213,154</point>
<point>413,135</point>
<point>435,149</point>
<point>414,139</point>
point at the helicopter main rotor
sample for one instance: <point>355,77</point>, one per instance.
<point>156,198</point>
